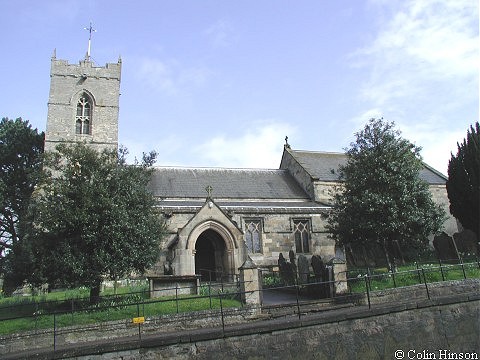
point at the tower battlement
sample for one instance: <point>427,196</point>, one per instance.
<point>64,68</point>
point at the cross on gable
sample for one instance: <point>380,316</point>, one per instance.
<point>209,190</point>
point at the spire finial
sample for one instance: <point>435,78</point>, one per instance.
<point>287,145</point>
<point>90,29</point>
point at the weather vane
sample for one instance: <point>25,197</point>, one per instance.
<point>90,29</point>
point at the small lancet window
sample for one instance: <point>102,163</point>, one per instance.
<point>84,114</point>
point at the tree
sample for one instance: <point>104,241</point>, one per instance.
<point>93,218</point>
<point>21,149</point>
<point>382,199</point>
<point>463,185</point>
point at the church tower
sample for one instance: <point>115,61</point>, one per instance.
<point>83,104</point>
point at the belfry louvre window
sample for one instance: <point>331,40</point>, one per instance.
<point>253,236</point>
<point>84,115</point>
<point>301,231</point>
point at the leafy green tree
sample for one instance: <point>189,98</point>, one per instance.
<point>93,218</point>
<point>21,149</point>
<point>382,200</point>
<point>463,185</point>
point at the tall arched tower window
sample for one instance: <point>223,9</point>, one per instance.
<point>83,119</point>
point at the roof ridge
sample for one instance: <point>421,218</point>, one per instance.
<point>320,152</point>
<point>216,168</point>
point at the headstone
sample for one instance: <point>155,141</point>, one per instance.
<point>318,268</point>
<point>281,261</point>
<point>303,269</point>
<point>360,256</point>
<point>466,242</point>
<point>291,256</point>
<point>287,273</point>
<point>293,263</point>
<point>445,247</point>
<point>320,289</point>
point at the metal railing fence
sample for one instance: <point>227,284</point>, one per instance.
<point>222,299</point>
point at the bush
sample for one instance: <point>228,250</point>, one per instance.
<point>271,280</point>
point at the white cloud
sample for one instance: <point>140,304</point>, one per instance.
<point>437,144</point>
<point>157,74</point>
<point>220,33</point>
<point>169,76</point>
<point>259,146</point>
<point>428,40</point>
<point>422,72</point>
<point>360,120</point>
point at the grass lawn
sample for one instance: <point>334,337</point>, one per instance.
<point>381,279</point>
<point>37,312</point>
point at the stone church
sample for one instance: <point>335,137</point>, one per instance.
<point>216,217</point>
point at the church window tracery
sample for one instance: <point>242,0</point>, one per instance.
<point>84,115</point>
<point>253,238</point>
<point>301,230</point>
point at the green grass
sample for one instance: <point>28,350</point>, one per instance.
<point>381,279</point>
<point>66,300</point>
<point>78,293</point>
<point>125,309</point>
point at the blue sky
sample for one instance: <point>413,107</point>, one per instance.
<point>221,83</point>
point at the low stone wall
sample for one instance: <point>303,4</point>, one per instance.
<point>426,333</point>
<point>449,321</point>
<point>121,329</point>
<point>418,292</point>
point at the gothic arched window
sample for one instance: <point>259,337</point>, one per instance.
<point>253,236</point>
<point>84,114</point>
<point>301,231</point>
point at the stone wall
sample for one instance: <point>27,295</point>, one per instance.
<point>425,333</point>
<point>325,190</point>
<point>299,173</point>
<point>435,290</point>
<point>450,329</point>
<point>446,325</point>
<point>440,197</point>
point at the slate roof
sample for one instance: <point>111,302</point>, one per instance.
<point>190,183</point>
<point>324,166</point>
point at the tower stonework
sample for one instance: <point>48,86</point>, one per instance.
<point>83,104</point>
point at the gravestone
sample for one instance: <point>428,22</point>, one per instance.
<point>303,269</point>
<point>445,247</point>
<point>466,242</point>
<point>320,271</point>
<point>291,256</point>
<point>318,268</point>
<point>287,272</point>
<point>360,256</point>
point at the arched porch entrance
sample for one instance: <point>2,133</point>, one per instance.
<point>211,256</point>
